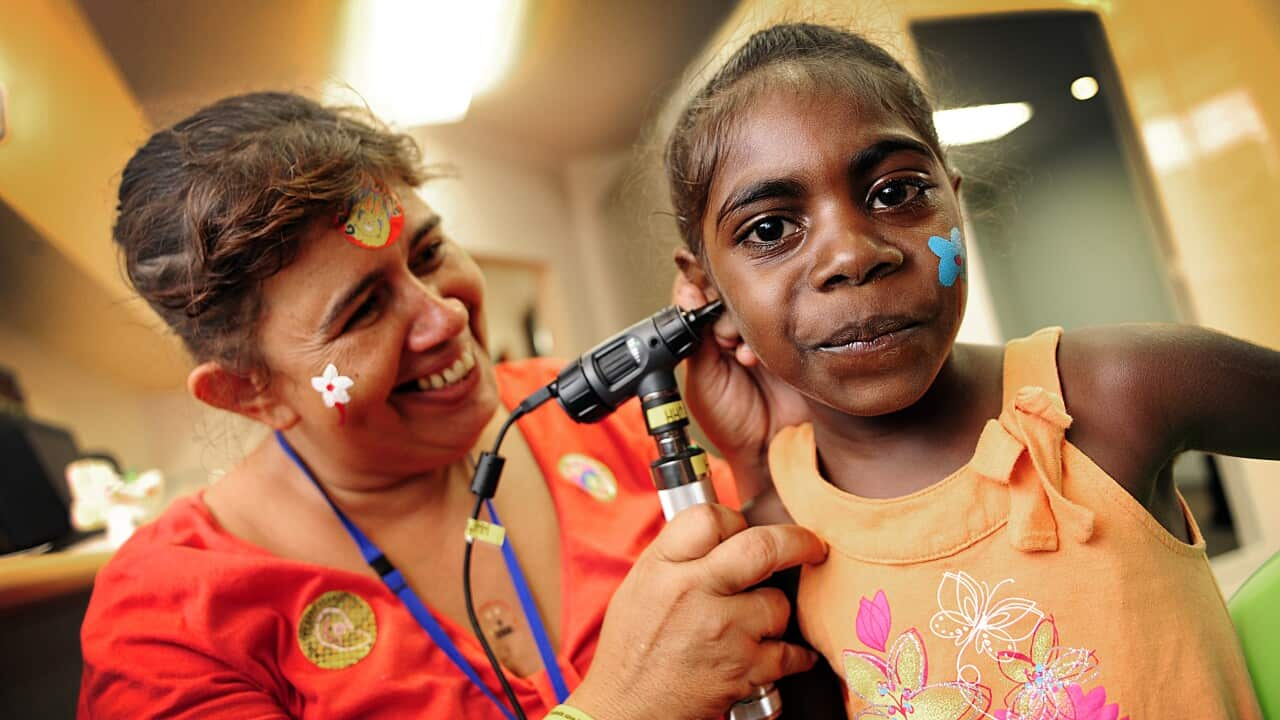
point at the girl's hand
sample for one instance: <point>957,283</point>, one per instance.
<point>683,639</point>
<point>737,403</point>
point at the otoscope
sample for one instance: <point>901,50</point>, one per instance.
<point>637,362</point>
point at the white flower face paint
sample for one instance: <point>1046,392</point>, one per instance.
<point>333,388</point>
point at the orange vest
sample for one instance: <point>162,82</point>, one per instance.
<point>1027,585</point>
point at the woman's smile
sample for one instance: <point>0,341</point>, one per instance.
<point>448,384</point>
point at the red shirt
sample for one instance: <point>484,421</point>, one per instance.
<point>188,620</point>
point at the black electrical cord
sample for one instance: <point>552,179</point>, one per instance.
<point>485,485</point>
<point>475,621</point>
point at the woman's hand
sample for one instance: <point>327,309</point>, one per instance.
<point>737,403</point>
<point>681,640</point>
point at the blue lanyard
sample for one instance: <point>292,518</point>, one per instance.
<point>395,582</point>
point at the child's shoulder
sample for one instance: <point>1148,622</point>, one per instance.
<point>1136,373</point>
<point>1141,393</point>
<point>1119,368</point>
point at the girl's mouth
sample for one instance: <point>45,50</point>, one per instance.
<point>868,334</point>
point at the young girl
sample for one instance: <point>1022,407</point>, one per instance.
<point>1005,537</point>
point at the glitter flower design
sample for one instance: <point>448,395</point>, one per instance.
<point>951,257</point>
<point>1045,677</point>
<point>899,686</point>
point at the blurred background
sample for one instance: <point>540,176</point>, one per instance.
<point>1121,160</point>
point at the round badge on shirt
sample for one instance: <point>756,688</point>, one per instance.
<point>337,630</point>
<point>590,475</point>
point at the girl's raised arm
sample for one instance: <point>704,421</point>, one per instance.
<point>1141,394</point>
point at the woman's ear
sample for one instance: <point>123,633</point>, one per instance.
<point>216,386</point>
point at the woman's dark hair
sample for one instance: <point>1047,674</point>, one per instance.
<point>213,206</point>
<point>795,55</point>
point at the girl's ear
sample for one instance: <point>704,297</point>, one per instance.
<point>955,181</point>
<point>694,273</point>
<point>694,288</point>
<point>216,386</point>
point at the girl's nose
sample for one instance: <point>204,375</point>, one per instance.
<point>436,319</point>
<point>851,256</point>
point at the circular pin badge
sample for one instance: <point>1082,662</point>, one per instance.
<point>337,630</point>
<point>590,475</point>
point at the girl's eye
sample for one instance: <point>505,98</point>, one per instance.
<point>768,231</point>
<point>427,258</point>
<point>898,193</point>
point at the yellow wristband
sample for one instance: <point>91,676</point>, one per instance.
<point>564,712</point>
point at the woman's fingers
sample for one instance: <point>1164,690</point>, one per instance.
<point>778,659</point>
<point>695,531</point>
<point>680,629</point>
<point>764,612</point>
<point>750,556</point>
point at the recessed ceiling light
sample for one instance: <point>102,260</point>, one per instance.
<point>416,62</point>
<point>1083,88</point>
<point>979,123</point>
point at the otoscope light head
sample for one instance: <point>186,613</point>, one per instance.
<point>608,375</point>
<point>699,317</point>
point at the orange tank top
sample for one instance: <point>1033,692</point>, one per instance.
<point>1027,585</point>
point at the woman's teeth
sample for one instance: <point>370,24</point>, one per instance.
<point>449,375</point>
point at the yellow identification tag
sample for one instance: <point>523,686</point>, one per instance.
<point>699,463</point>
<point>485,532</point>
<point>564,712</point>
<point>665,414</point>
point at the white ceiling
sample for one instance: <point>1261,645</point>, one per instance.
<point>587,78</point>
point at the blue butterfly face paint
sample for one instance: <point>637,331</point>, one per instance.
<point>951,257</point>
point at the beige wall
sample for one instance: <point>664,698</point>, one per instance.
<point>72,124</point>
<point>504,204</point>
<point>101,412</point>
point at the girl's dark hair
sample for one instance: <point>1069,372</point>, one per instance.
<point>213,206</point>
<point>796,55</point>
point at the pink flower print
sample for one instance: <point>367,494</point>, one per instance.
<point>1094,705</point>
<point>898,687</point>
<point>1045,676</point>
<point>873,622</point>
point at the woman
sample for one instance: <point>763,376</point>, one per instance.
<point>285,244</point>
